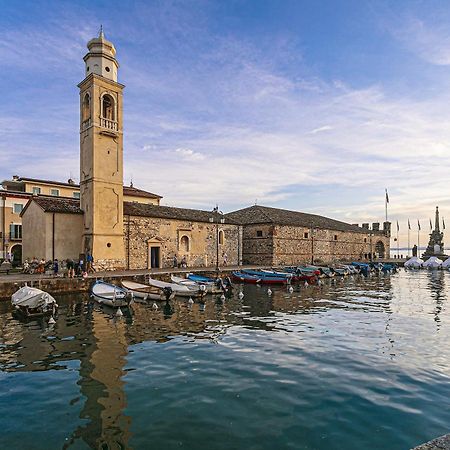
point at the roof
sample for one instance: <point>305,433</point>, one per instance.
<point>36,180</point>
<point>62,205</point>
<point>262,214</point>
<point>135,192</point>
<point>168,212</point>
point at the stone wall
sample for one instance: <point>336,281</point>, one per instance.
<point>195,240</point>
<point>286,245</point>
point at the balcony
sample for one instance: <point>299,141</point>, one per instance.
<point>86,124</point>
<point>110,125</point>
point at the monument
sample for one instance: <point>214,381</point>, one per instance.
<point>436,243</point>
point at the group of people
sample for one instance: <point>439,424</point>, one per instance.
<point>75,268</point>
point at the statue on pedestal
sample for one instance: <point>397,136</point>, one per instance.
<point>436,243</point>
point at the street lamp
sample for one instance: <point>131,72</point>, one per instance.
<point>217,217</point>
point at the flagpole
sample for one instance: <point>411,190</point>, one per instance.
<point>398,244</point>
<point>418,238</point>
<point>409,232</point>
<point>386,201</point>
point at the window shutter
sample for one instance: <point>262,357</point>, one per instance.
<point>11,231</point>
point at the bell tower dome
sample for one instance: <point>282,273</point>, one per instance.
<point>101,58</point>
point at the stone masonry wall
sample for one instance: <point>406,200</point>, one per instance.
<point>258,244</point>
<point>294,245</point>
<point>143,232</point>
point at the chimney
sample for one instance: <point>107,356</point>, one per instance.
<point>70,181</point>
<point>15,177</point>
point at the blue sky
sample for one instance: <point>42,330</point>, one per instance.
<point>307,105</point>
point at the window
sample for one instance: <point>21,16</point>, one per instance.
<point>36,190</point>
<point>184,244</point>
<point>259,233</point>
<point>107,69</point>
<point>365,240</point>
<point>108,107</point>
<point>15,231</point>
<point>335,237</point>
<point>86,107</point>
<point>306,235</point>
<point>18,208</point>
<point>76,195</point>
<point>54,192</point>
<point>221,237</point>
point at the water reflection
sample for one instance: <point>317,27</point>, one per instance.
<point>101,343</point>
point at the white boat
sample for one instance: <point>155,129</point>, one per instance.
<point>32,302</point>
<point>432,263</point>
<point>146,292</point>
<point>181,290</point>
<point>446,264</point>
<point>414,263</point>
<point>211,287</point>
<point>110,295</point>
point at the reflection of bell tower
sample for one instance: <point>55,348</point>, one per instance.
<point>101,155</point>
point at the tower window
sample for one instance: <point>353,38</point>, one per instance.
<point>306,235</point>
<point>108,107</point>
<point>221,237</point>
<point>259,233</point>
<point>107,69</point>
<point>86,107</point>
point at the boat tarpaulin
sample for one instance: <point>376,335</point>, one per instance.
<point>33,298</point>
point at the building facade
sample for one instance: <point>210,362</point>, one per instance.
<point>276,237</point>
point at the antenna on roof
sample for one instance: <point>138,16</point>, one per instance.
<point>131,181</point>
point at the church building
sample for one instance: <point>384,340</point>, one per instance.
<point>124,227</point>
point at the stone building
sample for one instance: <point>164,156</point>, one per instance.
<point>275,237</point>
<point>155,234</point>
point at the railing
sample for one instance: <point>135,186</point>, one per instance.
<point>108,124</point>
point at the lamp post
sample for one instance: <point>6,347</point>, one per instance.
<point>216,218</point>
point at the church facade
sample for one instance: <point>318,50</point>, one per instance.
<point>127,228</point>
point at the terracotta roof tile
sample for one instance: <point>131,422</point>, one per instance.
<point>62,205</point>
<point>263,214</point>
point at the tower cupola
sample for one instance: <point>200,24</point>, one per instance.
<point>101,58</point>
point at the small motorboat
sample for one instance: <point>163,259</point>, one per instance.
<point>110,295</point>
<point>414,263</point>
<point>255,277</point>
<point>31,302</point>
<point>223,284</point>
<point>147,292</point>
<point>432,263</point>
<point>178,289</point>
<point>211,287</point>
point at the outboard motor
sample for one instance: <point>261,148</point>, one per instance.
<point>167,291</point>
<point>202,288</point>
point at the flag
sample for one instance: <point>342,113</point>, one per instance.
<point>387,197</point>
<point>431,226</point>
<point>409,225</point>
<point>443,224</point>
<point>398,228</point>
<point>418,224</point>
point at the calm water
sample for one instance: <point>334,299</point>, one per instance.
<point>356,364</point>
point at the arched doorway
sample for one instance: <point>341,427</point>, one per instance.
<point>16,255</point>
<point>380,250</point>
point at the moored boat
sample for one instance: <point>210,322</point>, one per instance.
<point>211,287</point>
<point>31,302</point>
<point>110,295</point>
<point>178,289</point>
<point>258,278</point>
<point>147,292</point>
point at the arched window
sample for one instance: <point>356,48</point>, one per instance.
<point>221,237</point>
<point>380,249</point>
<point>184,244</point>
<point>86,107</point>
<point>108,111</point>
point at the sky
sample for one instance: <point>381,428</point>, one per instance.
<point>316,106</point>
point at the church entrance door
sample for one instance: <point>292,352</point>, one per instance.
<point>155,259</point>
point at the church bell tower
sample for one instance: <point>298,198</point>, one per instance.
<point>101,156</point>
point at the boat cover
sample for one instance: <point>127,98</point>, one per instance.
<point>108,290</point>
<point>432,263</point>
<point>414,263</point>
<point>33,298</point>
<point>446,263</point>
<point>175,287</point>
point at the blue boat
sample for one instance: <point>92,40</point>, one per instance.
<point>363,267</point>
<point>201,278</point>
<point>245,277</point>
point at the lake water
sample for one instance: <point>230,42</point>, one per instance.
<point>354,364</point>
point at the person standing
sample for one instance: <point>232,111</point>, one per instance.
<point>175,261</point>
<point>55,267</point>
